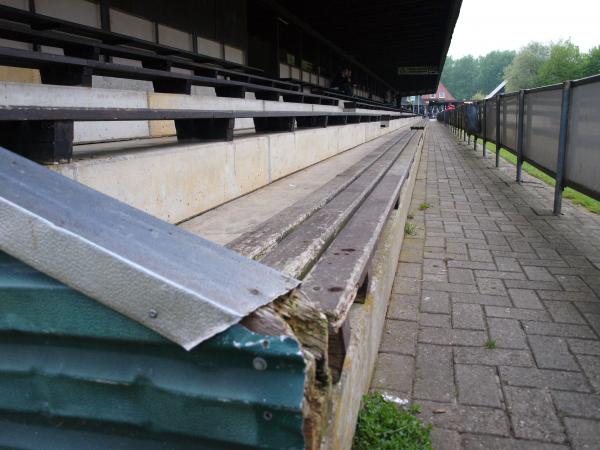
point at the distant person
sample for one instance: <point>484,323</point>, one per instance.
<point>343,81</point>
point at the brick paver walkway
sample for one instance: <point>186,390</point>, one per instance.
<point>490,264</point>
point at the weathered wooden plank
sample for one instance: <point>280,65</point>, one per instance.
<point>256,243</point>
<point>300,249</point>
<point>336,277</point>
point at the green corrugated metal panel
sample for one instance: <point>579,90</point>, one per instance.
<point>72,370</point>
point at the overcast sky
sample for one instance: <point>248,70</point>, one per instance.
<point>486,25</point>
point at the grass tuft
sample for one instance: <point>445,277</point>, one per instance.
<point>384,426</point>
<point>424,206</point>
<point>490,344</point>
<point>410,229</point>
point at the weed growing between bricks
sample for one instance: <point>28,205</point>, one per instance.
<point>383,425</point>
<point>410,229</point>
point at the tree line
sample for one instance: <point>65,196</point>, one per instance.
<point>536,64</point>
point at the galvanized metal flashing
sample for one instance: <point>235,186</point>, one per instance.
<point>173,282</point>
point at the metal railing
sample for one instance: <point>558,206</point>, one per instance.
<point>555,128</point>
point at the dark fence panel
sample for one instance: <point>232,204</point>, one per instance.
<point>560,135</point>
<point>583,148</point>
<point>508,122</point>
<point>490,119</point>
<point>541,128</point>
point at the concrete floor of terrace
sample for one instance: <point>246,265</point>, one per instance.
<point>489,262</point>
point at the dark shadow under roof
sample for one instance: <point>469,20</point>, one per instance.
<point>404,41</point>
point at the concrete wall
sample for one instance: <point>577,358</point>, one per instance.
<point>175,182</point>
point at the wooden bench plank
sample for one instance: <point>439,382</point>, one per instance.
<point>256,243</point>
<point>335,279</point>
<point>301,248</point>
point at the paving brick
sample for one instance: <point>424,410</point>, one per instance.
<point>409,270</point>
<point>481,299</point>
<point>577,404</point>
<point>583,433</point>
<point>552,353</point>
<point>491,286</point>
<point>434,379</point>
<point>464,276</point>
<point>403,307</point>
<point>448,336</point>
<point>517,313</point>
<point>569,296</point>
<point>543,378</point>
<point>467,316</point>
<point>541,262</point>
<point>434,320</point>
<point>588,307</point>
<point>435,302</point>
<point>531,284</point>
<point>478,385</point>
<point>434,266</point>
<point>456,247</point>
<point>451,287</point>
<point>464,418</point>
<point>594,320</point>
<point>558,329</point>
<point>591,367</point>
<point>482,442</point>
<point>406,286</point>
<point>445,439</point>
<point>572,283</point>
<point>492,357</point>
<point>394,372</point>
<point>525,298</point>
<point>507,264</point>
<point>532,414</point>
<point>500,275</point>
<point>431,241</point>
<point>472,265</point>
<point>584,347</point>
<point>538,273</point>
<point>564,312</point>
<point>480,255</point>
<point>507,333</point>
<point>399,337</point>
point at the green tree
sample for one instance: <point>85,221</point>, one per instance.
<point>491,69</point>
<point>565,62</point>
<point>460,76</point>
<point>479,95</point>
<point>591,62</point>
<point>522,73</point>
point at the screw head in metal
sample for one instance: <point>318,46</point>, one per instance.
<point>267,415</point>
<point>153,314</point>
<point>259,364</point>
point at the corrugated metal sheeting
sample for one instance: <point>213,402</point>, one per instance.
<point>76,374</point>
<point>174,282</point>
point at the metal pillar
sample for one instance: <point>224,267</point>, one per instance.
<point>498,133</point>
<point>520,125</point>
<point>484,126</point>
<point>562,147</point>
